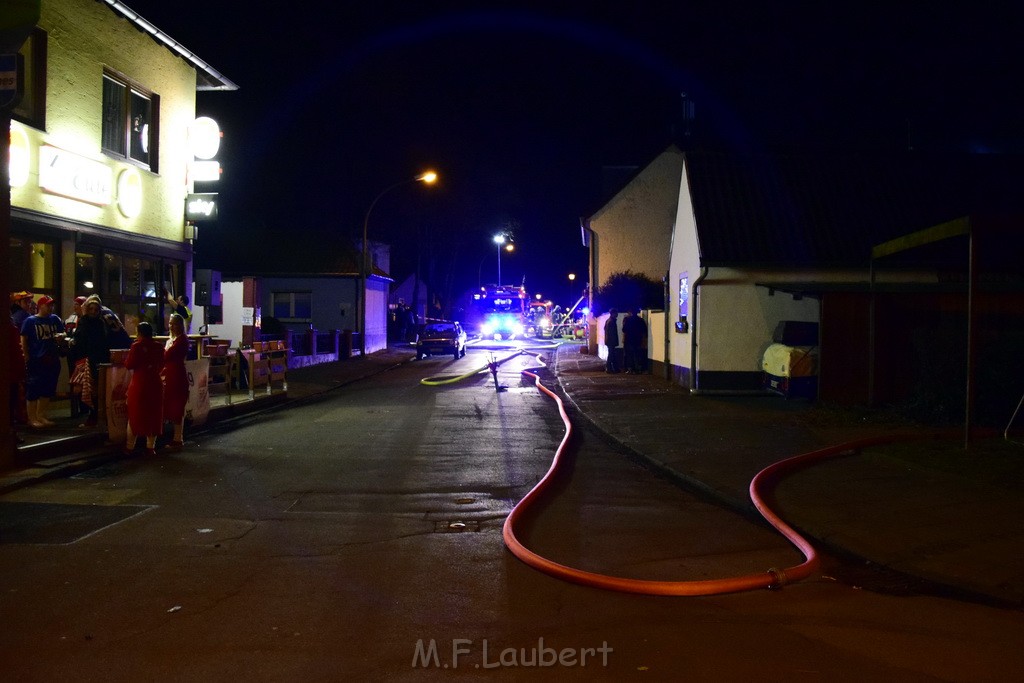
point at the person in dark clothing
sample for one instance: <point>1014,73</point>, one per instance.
<point>98,331</point>
<point>611,340</point>
<point>74,355</point>
<point>634,342</point>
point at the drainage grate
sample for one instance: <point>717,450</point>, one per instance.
<point>455,527</point>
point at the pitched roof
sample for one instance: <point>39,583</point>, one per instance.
<point>829,210</point>
<point>207,78</point>
<point>252,258</point>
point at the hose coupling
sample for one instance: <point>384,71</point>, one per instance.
<point>779,578</point>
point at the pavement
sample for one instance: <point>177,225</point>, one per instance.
<point>922,515</point>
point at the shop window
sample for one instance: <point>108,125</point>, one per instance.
<point>130,117</point>
<point>86,274</point>
<point>33,265</point>
<point>295,307</point>
<point>111,275</point>
<point>31,109</point>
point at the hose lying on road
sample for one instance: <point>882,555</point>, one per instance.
<point>439,380</point>
<point>772,578</point>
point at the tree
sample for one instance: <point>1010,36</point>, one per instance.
<point>629,291</point>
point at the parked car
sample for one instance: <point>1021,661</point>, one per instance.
<point>441,338</point>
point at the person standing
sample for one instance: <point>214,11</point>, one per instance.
<point>634,342</point>
<point>92,342</point>
<point>180,306</point>
<point>611,340</point>
<point>16,379</point>
<point>175,379</point>
<point>21,307</point>
<point>39,337</point>
<point>74,355</point>
<point>145,390</point>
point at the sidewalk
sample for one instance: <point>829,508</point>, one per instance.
<point>67,449</point>
<point>925,509</point>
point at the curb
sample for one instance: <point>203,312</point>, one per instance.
<point>929,585</point>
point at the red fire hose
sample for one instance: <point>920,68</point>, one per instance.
<point>772,578</point>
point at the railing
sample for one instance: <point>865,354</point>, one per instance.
<point>321,345</point>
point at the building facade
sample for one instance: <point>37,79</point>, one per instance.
<point>100,160</point>
<point>633,230</point>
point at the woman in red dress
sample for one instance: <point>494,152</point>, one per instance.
<point>176,380</point>
<point>145,390</point>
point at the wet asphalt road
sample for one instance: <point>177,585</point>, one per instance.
<point>358,537</point>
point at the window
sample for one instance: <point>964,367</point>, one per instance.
<point>293,306</point>
<point>86,273</point>
<point>33,265</point>
<point>130,117</point>
<point>31,110</point>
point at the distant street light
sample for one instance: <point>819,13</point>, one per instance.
<point>502,241</point>
<point>572,277</point>
<point>428,178</point>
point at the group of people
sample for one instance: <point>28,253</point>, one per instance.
<point>158,389</point>
<point>634,342</point>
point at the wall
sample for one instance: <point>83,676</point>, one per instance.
<point>736,322</point>
<point>334,304</point>
<point>633,231</point>
<point>684,261</point>
<point>85,36</point>
<point>231,306</point>
<point>376,315</point>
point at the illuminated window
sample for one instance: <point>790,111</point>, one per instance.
<point>130,120</point>
<point>31,109</point>
<point>293,306</point>
<point>33,265</point>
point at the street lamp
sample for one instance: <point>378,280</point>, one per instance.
<point>572,277</point>
<point>503,242</point>
<point>428,178</point>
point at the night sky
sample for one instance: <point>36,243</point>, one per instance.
<point>520,107</point>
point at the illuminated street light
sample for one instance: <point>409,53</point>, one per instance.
<point>572,278</point>
<point>429,178</point>
<point>502,240</point>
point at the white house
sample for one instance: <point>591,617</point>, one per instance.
<point>761,239</point>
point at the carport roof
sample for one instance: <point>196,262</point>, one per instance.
<point>829,210</point>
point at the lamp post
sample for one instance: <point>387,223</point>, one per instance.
<point>503,243</point>
<point>364,263</point>
<point>572,278</point>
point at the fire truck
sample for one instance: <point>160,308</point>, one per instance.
<point>498,312</point>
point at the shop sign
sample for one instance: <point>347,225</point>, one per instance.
<point>204,171</point>
<point>11,76</point>
<point>129,192</point>
<point>204,137</point>
<point>201,206</point>
<point>71,175</point>
<point>19,163</point>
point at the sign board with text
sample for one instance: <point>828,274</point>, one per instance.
<point>201,206</point>
<point>12,76</point>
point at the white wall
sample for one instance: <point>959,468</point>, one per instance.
<point>633,230</point>
<point>684,260</point>
<point>738,318</point>
<point>231,302</point>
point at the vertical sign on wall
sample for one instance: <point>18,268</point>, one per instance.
<point>682,325</point>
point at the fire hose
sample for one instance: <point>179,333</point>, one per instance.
<point>759,491</point>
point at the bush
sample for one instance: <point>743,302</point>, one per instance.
<point>629,291</point>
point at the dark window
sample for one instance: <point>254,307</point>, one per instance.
<point>129,122</point>
<point>31,109</point>
<point>293,306</point>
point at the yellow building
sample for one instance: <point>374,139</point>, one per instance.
<point>101,163</point>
